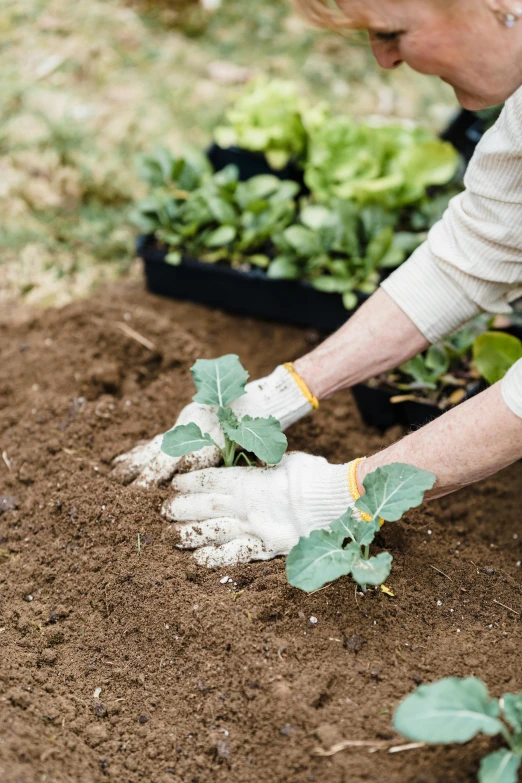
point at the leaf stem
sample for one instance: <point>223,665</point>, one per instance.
<point>229,453</point>
<point>366,552</point>
<point>242,454</point>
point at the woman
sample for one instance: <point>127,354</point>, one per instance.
<point>471,262</point>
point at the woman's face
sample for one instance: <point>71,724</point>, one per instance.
<point>461,41</point>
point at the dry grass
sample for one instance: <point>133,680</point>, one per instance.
<point>84,87</point>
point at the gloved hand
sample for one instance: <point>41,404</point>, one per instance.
<point>279,395</point>
<point>234,515</point>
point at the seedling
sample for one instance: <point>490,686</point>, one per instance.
<point>219,382</point>
<point>456,710</point>
<point>327,555</point>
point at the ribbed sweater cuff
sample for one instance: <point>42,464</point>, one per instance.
<point>512,389</point>
<point>429,296</point>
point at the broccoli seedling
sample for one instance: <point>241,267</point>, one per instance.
<point>456,710</point>
<point>327,555</point>
<point>220,382</point>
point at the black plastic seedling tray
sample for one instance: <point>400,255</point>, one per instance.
<point>249,293</point>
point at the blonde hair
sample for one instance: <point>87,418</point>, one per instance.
<point>323,13</point>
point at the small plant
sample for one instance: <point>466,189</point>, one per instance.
<point>220,382</point>
<point>456,710</point>
<point>327,555</point>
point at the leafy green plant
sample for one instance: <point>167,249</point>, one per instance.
<point>340,248</point>
<point>494,353</point>
<point>327,555</point>
<point>266,118</point>
<point>467,356</point>
<point>213,216</point>
<point>220,382</point>
<point>391,165</point>
<point>456,710</point>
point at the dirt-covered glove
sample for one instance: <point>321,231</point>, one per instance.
<point>234,515</point>
<point>281,394</point>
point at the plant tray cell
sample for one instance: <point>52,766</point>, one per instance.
<point>249,293</point>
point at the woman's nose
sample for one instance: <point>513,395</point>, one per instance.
<point>387,54</point>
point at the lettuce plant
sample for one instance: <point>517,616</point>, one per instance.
<point>390,165</point>
<point>344,549</point>
<point>456,710</point>
<point>266,118</point>
<point>220,382</point>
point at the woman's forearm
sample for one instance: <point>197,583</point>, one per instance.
<point>471,442</point>
<point>378,337</point>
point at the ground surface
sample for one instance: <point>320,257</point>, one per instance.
<point>84,88</point>
<point>202,681</point>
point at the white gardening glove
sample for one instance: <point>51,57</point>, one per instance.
<point>276,395</point>
<point>234,515</point>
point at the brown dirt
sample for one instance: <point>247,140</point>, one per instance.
<point>201,681</point>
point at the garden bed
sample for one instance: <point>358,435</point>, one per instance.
<point>203,681</point>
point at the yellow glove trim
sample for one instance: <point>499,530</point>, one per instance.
<point>314,402</point>
<point>354,489</point>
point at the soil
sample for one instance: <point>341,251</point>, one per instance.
<point>127,666</point>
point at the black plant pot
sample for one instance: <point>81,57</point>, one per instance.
<point>377,409</point>
<point>251,164</point>
<point>249,293</point>
<point>464,132</point>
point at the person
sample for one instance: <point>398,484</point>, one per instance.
<point>470,263</point>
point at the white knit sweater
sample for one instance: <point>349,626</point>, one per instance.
<point>472,259</point>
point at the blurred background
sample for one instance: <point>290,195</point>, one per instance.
<point>86,87</point>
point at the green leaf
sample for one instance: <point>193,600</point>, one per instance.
<point>393,490</point>
<point>350,300</point>
<point>173,258</point>
<point>263,437</point>
<point>259,260</point>
<point>316,217</point>
<point>333,285</point>
<point>374,571</point>
<point>223,235</point>
<point>229,422</point>
<point>495,353</point>
<point>303,240</point>
<point>450,710</point>
<point>348,526</point>
<point>184,440</point>
<point>317,560</point>
<point>283,268</point>
<point>437,360</point>
<point>512,706</point>
<point>219,381</point>
<point>500,767</point>
<point>417,369</point>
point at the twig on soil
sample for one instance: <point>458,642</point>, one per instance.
<point>6,460</point>
<point>506,607</point>
<point>134,335</point>
<point>372,745</point>
<point>409,746</point>
<point>441,572</point>
<point>139,544</point>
